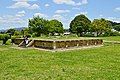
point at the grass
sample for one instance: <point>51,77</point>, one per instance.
<point>90,64</point>
<point>101,63</point>
<point>112,38</point>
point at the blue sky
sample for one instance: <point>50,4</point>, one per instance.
<point>15,13</point>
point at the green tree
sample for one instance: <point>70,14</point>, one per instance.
<point>80,24</point>
<point>101,26</point>
<point>116,27</point>
<point>55,26</point>
<point>4,37</point>
<point>11,31</point>
<point>26,32</point>
<point>37,25</point>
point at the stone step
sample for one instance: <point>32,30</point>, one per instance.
<point>31,43</point>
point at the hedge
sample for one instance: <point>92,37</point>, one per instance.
<point>3,36</point>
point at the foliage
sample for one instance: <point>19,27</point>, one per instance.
<point>100,26</point>
<point>38,25</point>
<point>114,23</point>
<point>11,31</point>
<point>17,33</point>
<point>115,34</point>
<point>80,24</point>
<point>26,32</point>
<point>88,35</point>
<point>4,37</point>
<point>14,37</point>
<point>55,26</point>
<point>116,27</point>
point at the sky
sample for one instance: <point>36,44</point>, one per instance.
<point>16,13</point>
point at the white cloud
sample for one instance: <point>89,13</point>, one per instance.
<point>20,14</point>
<point>84,1</point>
<point>114,19</point>
<point>101,15</point>
<point>84,13</point>
<point>20,5</point>
<point>76,8</point>
<point>0,18</point>
<point>40,15</point>
<point>70,2</point>
<point>9,20</point>
<point>21,0</point>
<point>34,6</point>
<point>62,11</point>
<point>117,9</point>
<point>47,5</point>
<point>24,4</point>
<point>24,0</point>
<point>58,17</point>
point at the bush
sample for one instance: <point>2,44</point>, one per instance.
<point>106,34</point>
<point>14,37</point>
<point>34,35</point>
<point>115,34</point>
<point>88,35</point>
<point>28,35</point>
<point>4,37</point>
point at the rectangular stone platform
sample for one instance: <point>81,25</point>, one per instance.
<point>62,44</point>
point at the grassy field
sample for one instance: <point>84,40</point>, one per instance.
<point>90,64</point>
<point>112,38</point>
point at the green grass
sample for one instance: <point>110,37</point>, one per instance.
<point>112,38</point>
<point>101,63</point>
<point>90,64</point>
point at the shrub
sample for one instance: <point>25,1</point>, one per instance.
<point>14,37</point>
<point>88,35</point>
<point>34,35</point>
<point>4,37</point>
<point>115,34</point>
<point>28,35</point>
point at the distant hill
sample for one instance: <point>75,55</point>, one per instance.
<point>18,29</point>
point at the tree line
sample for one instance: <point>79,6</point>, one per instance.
<point>80,25</point>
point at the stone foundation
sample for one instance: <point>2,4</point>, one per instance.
<point>62,44</point>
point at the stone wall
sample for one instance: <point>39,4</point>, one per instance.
<point>44,44</point>
<point>78,43</point>
<point>17,41</point>
<point>60,44</point>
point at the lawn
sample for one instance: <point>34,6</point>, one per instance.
<point>101,63</point>
<point>112,38</point>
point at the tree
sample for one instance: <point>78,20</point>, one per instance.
<point>101,26</point>
<point>11,31</point>
<point>37,25</point>
<point>55,26</point>
<point>80,24</point>
<point>116,27</point>
<point>4,37</point>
